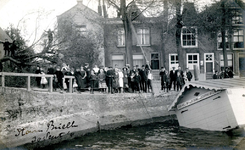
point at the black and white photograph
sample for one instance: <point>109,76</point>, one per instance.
<point>122,74</point>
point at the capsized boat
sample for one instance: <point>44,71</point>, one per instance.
<point>217,105</point>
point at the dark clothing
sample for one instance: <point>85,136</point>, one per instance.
<point>38,79</point>
<point>143,81</point>
<point>189,75</point>
<point>59,75</point>
<point>87,81</point>
<point>79,75</point>
<point>137,81</point>
<point>13,48</point>
<point>230,74</point>
<point>93,79</point>
<point>166,82</point>
<point>179,82</point>
<point>51,71</point>
<point>110,76</point>
<point>215,76</point>
<point>162,74</point>
<point>173,77</point>
<point>6,47</point>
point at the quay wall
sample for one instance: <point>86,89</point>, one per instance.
<point>41,118</point>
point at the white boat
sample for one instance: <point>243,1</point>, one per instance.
<point>217,105</point>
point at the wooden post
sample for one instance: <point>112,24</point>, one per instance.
<point>70,85</point>
<point>28,83</point>
<point>3,80</point>
<point>51,84</point>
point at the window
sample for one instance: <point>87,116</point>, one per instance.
<point>238,41</point>
<point>189,37</point>
<point>154,61</point>
<point>143,36</point>
<point>173,61</point>
<point>237,18</point>
<point>219,39</point>
<point>229,60</point>
<point>192,59</point>
<point>121,37</point>
<point>82,28</point>
<point>138,60</point>
<point>118,60</point>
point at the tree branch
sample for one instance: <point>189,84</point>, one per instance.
<point>142,11</point>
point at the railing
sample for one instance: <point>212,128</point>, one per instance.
<point>29,75</point>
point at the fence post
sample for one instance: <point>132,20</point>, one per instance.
<point>51,84</point>
<point>70,85</point>
<point>28,83</point>
<point>3,80</point>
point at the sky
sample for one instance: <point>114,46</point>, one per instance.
<point>28,15</point>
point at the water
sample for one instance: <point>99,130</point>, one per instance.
<point>166,135</point>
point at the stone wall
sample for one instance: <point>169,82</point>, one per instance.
<point>42,118</point>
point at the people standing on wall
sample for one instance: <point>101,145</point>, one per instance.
<point>38,79</point>
<point>166,81</point>
<point>59,78</point>
<point>125,79</point>
<point>110,75</point>
<point>143,82</point>
<point>137,81</point>
<point>173,77</point>
<point>13,48</point>
<point>44,81</point>
<point>179,81</point>
<point>188,74</point>
<point>93,79</point>
<point>67,80</point>
<point>6,47</point>
<point>102,80</point>
<point>216,75</point>
<point>88,71</point>
<point>162,74</point>
<point>230,73</point>
<point>149,81</point>
<point>120,81</point>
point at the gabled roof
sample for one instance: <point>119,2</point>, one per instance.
<point>4,36</point>
<point>215,84</point>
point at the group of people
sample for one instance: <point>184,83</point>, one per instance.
<point>103,79</point>
<point>175,78</point>
<point>227,73</point>
<point>9,48</point>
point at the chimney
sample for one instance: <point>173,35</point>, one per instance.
<point>99,9</point>
<point>79,1</point>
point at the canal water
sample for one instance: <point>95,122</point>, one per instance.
<point>164,135</point>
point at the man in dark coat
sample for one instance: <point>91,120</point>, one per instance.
<point>6,47</point>
<point>137,81</point>
<point>179,81</point>
<point>143,75</point>
<point>110,76</point>
<point>188,74</point>
<point>162,74</point>
<point>59,75</point>
<point>173,77</point>
<point>38,79</point>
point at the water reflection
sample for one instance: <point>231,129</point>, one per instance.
<point>167,135</point>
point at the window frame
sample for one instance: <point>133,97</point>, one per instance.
<point>143,36</point>
<point>187,60</point>
<point>187,34</point>
<point>121,38</point>
<point>222,60</point>
<point>233,36</point>
<point>219,35</point>
<point>156,59</point>
<point>175,60</point>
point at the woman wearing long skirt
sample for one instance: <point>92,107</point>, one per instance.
<point>102,81</point>
<point>80,76</point>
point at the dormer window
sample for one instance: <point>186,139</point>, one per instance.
<point>189,37</point>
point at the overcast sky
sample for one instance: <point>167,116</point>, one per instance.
<point>24,13</point>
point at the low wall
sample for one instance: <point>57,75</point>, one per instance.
<point>42,118</point>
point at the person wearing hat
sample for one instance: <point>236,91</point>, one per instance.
<point>173,77</point>
<point>6,47</point>
<point>162,77</point>
<point>110,76</point>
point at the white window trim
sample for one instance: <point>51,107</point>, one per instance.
<point>208,61</point>
<point>140,39</point>
<point>198,60</point>
<point>122,37</point>
<point>195,39</point>
<point>175,65</point>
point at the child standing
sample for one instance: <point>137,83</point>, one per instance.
<point>44,81</point>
